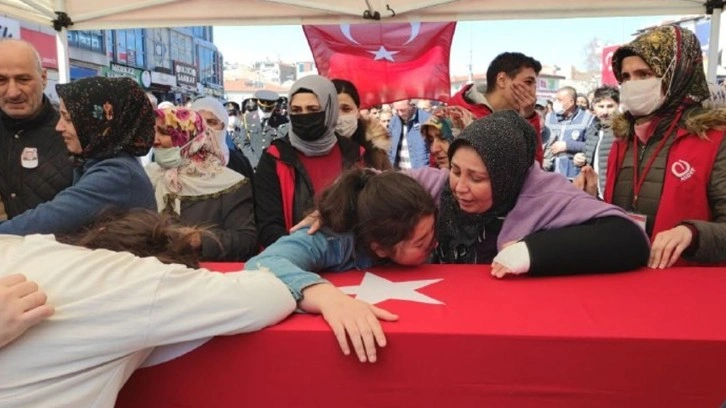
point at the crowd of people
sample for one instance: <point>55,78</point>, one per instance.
<point>112,202</point>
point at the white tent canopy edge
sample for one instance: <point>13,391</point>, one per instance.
<point>112,14</point>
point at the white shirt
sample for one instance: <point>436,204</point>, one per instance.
<point>112,308</point>
<point>404,155</point>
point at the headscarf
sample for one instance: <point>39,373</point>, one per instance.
<point>110,115</point>
<point>449,120</point>
<point>201,171</point>
<point>324,89</point>
<point>214,106</point>
<point>674,54</point>
<point>505,143</point>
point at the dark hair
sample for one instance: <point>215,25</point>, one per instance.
<point>343,86</point>
<point>511,63</point>
<point>606,92</point>
<point>377,207</point>
<point>141,232</point>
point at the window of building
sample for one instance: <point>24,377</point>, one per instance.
<point>130,48</point>
<point>181,47</point>
<point>88,40</point>
<point>160,53</point>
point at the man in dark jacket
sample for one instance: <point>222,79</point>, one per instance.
<point>35,164</point>
<point>599,136</point>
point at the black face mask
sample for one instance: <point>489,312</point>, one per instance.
<point>309,126</point>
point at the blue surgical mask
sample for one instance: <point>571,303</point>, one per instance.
<point>168,157</point>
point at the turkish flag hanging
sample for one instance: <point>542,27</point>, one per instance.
<point>608,76</point>
<point>386,62</point>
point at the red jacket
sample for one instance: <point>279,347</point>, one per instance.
<point>685,185</point>
<point>481,110</point>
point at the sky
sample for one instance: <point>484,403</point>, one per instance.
<point>552,42</point>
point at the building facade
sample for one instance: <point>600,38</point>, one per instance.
<point>175,64</point>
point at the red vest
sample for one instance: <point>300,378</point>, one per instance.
<point>286,176</point>
<point>685,185</point>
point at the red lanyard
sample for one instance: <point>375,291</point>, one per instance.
<point>638,182</point>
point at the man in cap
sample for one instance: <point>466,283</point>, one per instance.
<point>260,127</point>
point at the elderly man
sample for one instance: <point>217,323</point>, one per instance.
<point>35,164</point>
<point>408,148</point>
<point>566,127</point>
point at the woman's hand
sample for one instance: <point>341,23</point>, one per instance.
<point>312,221</point>
<point>668,246</point>
<point>194,237</point>
<point>587,181</point>
<point>513,259</point>
<point>349,318</point>
<point>22,305</point>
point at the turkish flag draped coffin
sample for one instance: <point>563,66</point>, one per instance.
<point>386,62</point>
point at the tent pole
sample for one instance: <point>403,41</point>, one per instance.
<point>61,24</point>
<point>713,45</point>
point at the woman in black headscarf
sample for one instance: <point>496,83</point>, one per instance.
<point>498,208</point>
<point>106,123</point>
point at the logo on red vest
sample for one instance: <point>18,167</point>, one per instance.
<point>682,169</point>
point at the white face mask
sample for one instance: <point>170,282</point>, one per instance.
<point>347,125</point>
<point>642,97</point>
<point>557,108</point>
<point>263,114</point>
<point>168,157</point>
<point>221,137</point>
<point>232,122</point>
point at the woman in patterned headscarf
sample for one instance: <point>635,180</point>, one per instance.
<point>105,123</point>
<point>191,181</point>
<point>669,160</point>
<point>444,125</point>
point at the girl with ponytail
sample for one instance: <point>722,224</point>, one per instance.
<point>369,218</point>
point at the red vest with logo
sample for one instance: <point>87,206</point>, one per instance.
<point>687,176</point>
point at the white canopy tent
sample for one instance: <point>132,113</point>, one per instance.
<point>113,14</point>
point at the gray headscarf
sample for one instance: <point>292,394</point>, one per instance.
<point>324,89</point>
<point>506,144</point>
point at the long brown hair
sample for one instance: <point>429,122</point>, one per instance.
<point>141,232</point>
<point>377,207</point>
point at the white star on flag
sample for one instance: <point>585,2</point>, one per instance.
<point>375,289</point>
<point>383,53</point>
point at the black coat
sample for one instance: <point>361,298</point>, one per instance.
<point>21,188</point>
<point>268,196</point>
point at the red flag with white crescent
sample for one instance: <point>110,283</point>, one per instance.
<point>386,62</point>
<point>608,76</point>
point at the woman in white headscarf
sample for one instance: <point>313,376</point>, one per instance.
<point>292,171</point>
<point>191,181</point>
<point>215,115</point>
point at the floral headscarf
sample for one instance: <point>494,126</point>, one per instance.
<point>110,115</point>
<point>202,170</point>
<point>189,131</point>
<point>449,120</point>
<point>674,54</point>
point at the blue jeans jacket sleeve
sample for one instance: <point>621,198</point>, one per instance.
<point>117,182</point>
<point>294,258</point>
